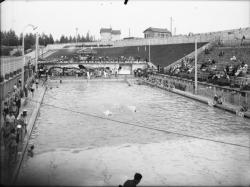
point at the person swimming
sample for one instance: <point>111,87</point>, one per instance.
<point>132,108</point>
<point>107,113</point>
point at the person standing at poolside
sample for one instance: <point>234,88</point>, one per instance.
<point>18,102</point>
<point>26,90</point>
<point>12,120</point>
<point>37,83</point>
<point>32,89</point>
<point>23,122</point>
<point>134,182</point>
<point>88,76</point>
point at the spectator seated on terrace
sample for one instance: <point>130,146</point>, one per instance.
<point>217,100</point>
<point>233,69</point>
<point>233,58</point>
<point>219,77</point>
<point>213,68</point>
<point>242,39</point>
<point>221,53</point>
<point>216,76</point>
<point>244,107</point>
<point>184,67</point>
<point>244,68</point>
<point>210,62</point>
<point>205,65</point>
<point>241,70</point>
<point>206,51</point>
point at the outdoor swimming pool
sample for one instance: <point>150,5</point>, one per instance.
<point>73,148</point>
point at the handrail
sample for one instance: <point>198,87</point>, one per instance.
<point>11,64</point>
<point>93,62</point>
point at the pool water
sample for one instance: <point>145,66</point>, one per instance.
<point>74,145</point>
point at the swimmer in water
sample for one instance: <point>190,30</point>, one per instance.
<point>108,113</point>
<point>133,108</point>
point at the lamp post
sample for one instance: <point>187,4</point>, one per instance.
<point>34,28</point>
<point>171,23</point>
<point>37,51</point>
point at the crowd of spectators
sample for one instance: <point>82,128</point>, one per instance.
<point>186,66</point>
<point>212,70</point>
<point>118,59</point>
<point>96,59</point>
<point>14,126</point>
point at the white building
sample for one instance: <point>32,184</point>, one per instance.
<point>157,33</point>
<point>107,34</point>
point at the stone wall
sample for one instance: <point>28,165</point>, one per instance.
<point>229,95</point>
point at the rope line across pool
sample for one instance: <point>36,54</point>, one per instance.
<point>141,126</point>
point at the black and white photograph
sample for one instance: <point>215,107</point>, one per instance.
<point>125,93</point>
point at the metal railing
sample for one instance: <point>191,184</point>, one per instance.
<point>235,43</point>
<point>92,62</point>
<point>11,64</point>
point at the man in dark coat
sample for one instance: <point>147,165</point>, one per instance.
<point>134,182</point>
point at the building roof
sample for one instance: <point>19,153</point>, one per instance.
<point>105,30</point>
<point>157,30</point>
<point>116,32</point>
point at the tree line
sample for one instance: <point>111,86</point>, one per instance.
<point>9,40</point>
<point>79,38</point>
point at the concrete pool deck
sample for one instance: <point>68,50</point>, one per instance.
<point>174,163</point>
<point>31,105</point>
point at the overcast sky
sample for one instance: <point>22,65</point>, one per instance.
<point>62,17</point>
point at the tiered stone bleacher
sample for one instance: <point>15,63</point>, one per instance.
<point>221,65</point>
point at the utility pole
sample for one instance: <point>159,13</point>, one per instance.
<point>129,32</point>
<point>195,78</point>
<point>76,34</point>
<point>23,53</point>
<point>171,20</point>
<point>23,69</point>
<point>37,51</point>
